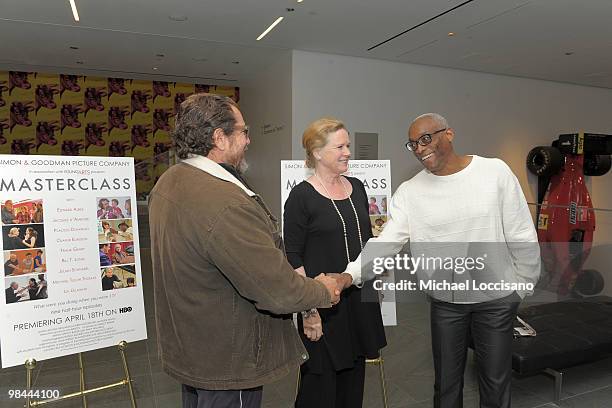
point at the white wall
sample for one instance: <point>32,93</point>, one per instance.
<point>492,115</point>
<point>266,106</point>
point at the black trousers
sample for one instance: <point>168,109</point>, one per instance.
<point>200,398</point>
<point>490,325</point>
<point>332,389</point>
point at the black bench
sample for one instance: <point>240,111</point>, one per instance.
<point>568,333</point>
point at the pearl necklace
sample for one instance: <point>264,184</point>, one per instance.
<point>348,258</point>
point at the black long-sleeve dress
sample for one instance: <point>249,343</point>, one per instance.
<point>314,239</point>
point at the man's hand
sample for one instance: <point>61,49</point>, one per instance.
<point>332,287</point>
<point>313,328</point>
<point>344,280</point>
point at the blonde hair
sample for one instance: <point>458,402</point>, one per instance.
<point>316,136</point>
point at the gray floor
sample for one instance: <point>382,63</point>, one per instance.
<point>408,366</point>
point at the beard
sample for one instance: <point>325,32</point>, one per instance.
<point>239,162</point>
<point>236,156</point>
<point>242,166</point>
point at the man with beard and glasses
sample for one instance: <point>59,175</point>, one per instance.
<point>462,204</point>
<point>223,288</point>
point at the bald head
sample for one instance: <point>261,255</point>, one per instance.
<point>434,118</point>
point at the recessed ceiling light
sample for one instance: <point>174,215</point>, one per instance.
<point>569,53</point>
<point>262,35</point>
<point>177,17</point>
<point>154,68</point>
<point>451,34</point>
<point>299,1</point>
<point>75,12</point>
<point>72,47</point>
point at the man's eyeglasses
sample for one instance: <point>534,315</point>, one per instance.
<point>244,130</point>
<point>424,140</point>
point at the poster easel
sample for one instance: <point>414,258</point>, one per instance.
<point>30,365</point>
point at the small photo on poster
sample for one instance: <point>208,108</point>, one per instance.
<point>378,223</point>
<point>115,231</point>
<point>118,277</point>
<point>377,204</point>
<point>116,253</point>
<point>25,261</point>
<point>113,208</point>
<point>22,212</point>
<point>23,288</point>
<point>27,236</point>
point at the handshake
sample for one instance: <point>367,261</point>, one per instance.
<point>335,284</point>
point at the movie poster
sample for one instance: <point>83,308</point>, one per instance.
<point>72,277</point>
<point>376,178</point>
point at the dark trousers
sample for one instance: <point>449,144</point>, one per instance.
<point>199,398</point>
<point>332,389</point>
<point>490,325</point>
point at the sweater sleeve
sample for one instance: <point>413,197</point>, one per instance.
<point>519,230</point>
<point>295,228</point>
<point>243,248</point>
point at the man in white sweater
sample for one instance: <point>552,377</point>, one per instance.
<point>463,200</point>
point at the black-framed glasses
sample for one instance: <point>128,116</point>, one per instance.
<point>424,140</point>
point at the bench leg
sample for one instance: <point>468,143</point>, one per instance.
<point>558,376</point>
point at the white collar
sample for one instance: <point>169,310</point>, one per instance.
<point>215,170</point>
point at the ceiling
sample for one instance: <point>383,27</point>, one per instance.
<point>560,40</point>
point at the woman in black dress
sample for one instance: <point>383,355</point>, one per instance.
<point>326,224</point>
<point>31,235</point>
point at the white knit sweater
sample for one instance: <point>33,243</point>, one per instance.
<point>481,203</point>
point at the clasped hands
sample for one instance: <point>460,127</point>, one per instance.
<point>335,284</point>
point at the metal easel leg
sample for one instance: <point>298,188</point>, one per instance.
<point>383,383</point>
<point>82,379</point>
<point>30,365</point>
<point>122,346</point>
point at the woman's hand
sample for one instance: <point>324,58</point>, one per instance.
<point>313,327</point>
